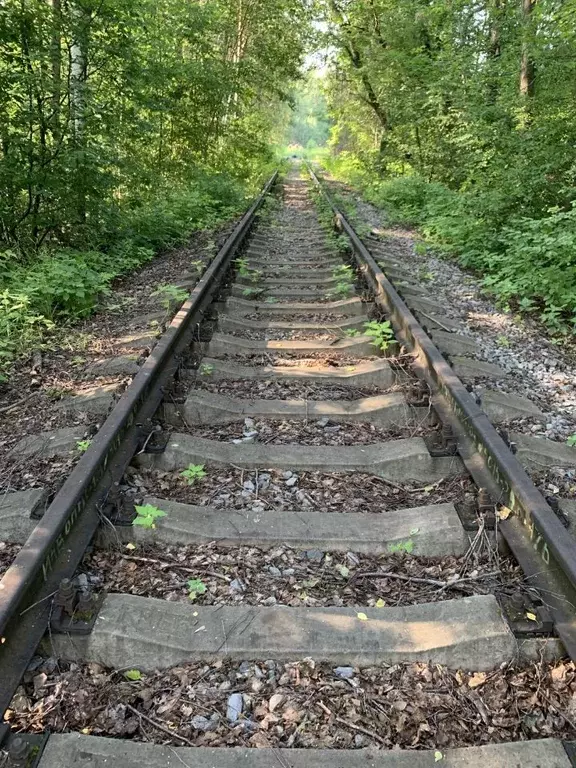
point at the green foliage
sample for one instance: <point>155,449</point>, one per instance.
<point>571,441</point>
<point>252,293</point>
<point>126,128</point>
<point>381,333</point>
<point>195,587</point>
<point>432,124</point>
<point>171,295</point>
<point>341,290</point>
<point>147,515</point>
<point>134,675</point>
<point>193,473</point>
<point>344,272</point>
<point>83,445</point>
<point>402,546</point>
<point>20,325</point>
<point>351,332</point>
<point>206,369</point>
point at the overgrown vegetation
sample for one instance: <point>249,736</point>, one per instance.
<point>455,118</point>
<point>127,126</point>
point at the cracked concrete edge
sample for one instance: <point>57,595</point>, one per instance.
<point>395,460</point>
<point>502,407</point>
<point>455,344</point>
<point>57,442</point>
<point>295,294</point>
<point>285,281</point>
<point>81,751</point>
<point>376,372</point>
<point>149,634</point>
<point>203,407</point>
<point>222,344</point>
<point>468,368</point>
<point>95,400</point>
<point>113,366</point>
<point>539,453</point>
<point>343,307</point>
<point>15,511</point>
<point>230,322</point>
<point>433,531</point>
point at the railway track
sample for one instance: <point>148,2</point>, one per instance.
<point>295,501</point>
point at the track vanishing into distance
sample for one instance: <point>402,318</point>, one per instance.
<point>295,530</point>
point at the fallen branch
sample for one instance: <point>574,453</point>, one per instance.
<point>160,727</point>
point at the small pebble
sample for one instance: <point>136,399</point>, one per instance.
<point>276,701</point>
<point>236,587</point>
<point>201,723</point>
<point>346,673</point>
<point>234,707</point>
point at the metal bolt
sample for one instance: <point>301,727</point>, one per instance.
<point>65,596</point>
<point>19,751</point>
<point>469,505</point>
<point>85,603</point>
<point>484,501</point>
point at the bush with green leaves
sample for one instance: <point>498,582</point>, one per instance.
<point>56,285</point>
<point>382,334</point>
<point>527,262</point>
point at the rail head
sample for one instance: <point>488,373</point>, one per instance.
<point>57,543</point>
<point>534,533</point>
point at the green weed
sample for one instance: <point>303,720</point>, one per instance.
<point>147,515</point>
<point>193,473</point>
<point>195,587</point>
<point>381,333</point>
<point>171,295</point>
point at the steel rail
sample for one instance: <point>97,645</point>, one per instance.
<point>59,540</point>
<point>535,535</point>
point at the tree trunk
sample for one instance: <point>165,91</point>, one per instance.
<point>494,50</point>
<point>527,65</point>
<point>56,65</point>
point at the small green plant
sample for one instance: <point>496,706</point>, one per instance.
<point>206,369</point>
<point>503,341</point>
<point>351,332</point>
<point>402,546</point>
<point>147,515</point>
<point>271,300</point>
<point>83,445</point>
<point>134,675</point>
<point>571,441</point>
<point>420,249</point>
<point>381,333</point>
<point>55,393</point>
<point>170,295</point>
<point>252,293</point>
<point>193,473</point>
<point>342,243</point>
<point>344,272</point>
<point>195,587</point>
<point>342,289</point>
<point>198,264</point>
<point>426,276</point>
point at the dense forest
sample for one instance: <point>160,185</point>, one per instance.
<point>460,117</point>
<point>126,125</point>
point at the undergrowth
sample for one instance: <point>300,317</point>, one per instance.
<point>527,262</point>
<point>54,285</point>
